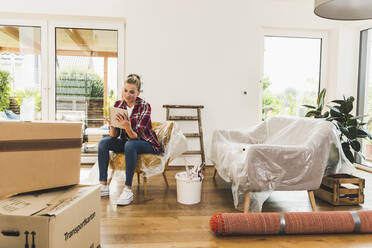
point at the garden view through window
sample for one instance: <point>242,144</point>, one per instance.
<point>86,74</point>
<point>20,78</point>
<point>291,75</point>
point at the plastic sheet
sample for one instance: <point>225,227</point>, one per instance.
<point>174,144</point>
<point>281,153</point>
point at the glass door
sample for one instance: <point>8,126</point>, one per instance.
<point>86,74</point>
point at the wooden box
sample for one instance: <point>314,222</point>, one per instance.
<point>341,189</point>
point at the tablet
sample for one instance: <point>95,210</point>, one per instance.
<point>113,112</point>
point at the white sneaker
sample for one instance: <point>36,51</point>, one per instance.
<point>126,197</point>
<point>105,190</point>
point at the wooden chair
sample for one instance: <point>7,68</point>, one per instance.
<point>163,131</point>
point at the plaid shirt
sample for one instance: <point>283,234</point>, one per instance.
<point>140,120</point>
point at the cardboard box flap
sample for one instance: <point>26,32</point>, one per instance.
<point>64,201</point>
<point>27,204</point>
<point>47,202</point>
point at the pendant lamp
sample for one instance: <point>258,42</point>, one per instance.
<point>346,10</point>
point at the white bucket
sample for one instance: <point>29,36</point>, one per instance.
<point>188,190</point>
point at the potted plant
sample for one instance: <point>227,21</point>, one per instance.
<point>351,127</point>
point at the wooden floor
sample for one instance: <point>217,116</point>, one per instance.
<point>162,222</point>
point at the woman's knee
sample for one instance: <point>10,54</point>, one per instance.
<point>130,146</point>
<point>104,143</point>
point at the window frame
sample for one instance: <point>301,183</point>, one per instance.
<point>15,20</point>
<point>47,24</point>
<point>297,33</point>
<point>362,100</point>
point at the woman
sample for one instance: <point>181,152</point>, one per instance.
<point>136,137</point>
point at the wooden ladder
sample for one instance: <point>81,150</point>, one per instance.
<point>189,118</point>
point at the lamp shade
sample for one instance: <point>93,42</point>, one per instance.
<point>344,9</point>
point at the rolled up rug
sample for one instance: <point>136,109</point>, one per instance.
<point>291,223</point>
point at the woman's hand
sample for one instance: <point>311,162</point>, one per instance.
<point>124,122</point>
<point>114,132</point>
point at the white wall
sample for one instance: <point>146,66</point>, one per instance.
<point>209,51</point>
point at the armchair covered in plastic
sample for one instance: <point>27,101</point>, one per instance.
<point>174,144</point>
<point>280,153</point>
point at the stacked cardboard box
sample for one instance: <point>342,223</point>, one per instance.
<point>40,156</point>
<point>60,218</point>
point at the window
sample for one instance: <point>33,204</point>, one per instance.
<point>20,72</point>
<point>38,51</point>
<point>364,106</point>
<point>60,68</point>
<point>291,74</point>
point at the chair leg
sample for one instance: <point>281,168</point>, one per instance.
<point>110,178</point>
<point>145,187</point>
<point>215,172</point>
<point>247,201</point>
<point>138,180</point>
<point>312,199</point>
<point>165,179</point>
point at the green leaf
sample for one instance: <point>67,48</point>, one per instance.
<point>309,106</point>
<point>350,99</point>
<point>312,113</point>
<point>325,115</point>
<point>363,133</point>
<point>352,122</point>
<point>334,108</point>
<point>352,132</point>
<point>333,118</point>
<point>347,152</point>
<point>334,111</point>
<point>346,132</point>
<point>355,145</point>
<point>347,107</point>
<point>338,101</point>
<point>320,100</point>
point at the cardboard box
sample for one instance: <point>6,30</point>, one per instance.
<point>58,218</point>
<point>38,155</point>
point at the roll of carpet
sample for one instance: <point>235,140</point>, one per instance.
<point>291,223</point>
